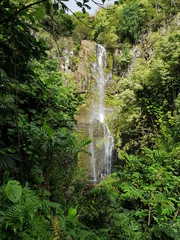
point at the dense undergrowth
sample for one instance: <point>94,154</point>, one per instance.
<point>43,193</point>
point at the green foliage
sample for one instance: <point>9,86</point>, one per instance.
<point>105,28</point>
<point>13,191</point>
<point>82,144</point>
<point>72,212</point>
<point>7,161</point>
<point>18,48</point>
<point>143,195</point>
<point>37,141</point>
<point>31,218</point>
<point>25,218</point>
<point>37,118</point>
<point>133,20</point>
<point>122,60</point>
<point>162,12</point>
<point>145,98</point>
<point>61,25</point>
<point>82,23</point>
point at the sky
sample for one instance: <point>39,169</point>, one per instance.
<point>74,8</point>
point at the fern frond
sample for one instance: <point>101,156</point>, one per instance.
<point>56,229</point>
<point>46,204</point>
<point>14,217</point>
<point>6,162</point>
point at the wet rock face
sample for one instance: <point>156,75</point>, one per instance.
<point>99,150</point>
<point>66,55</point>
<point>83,74</point>
<point>78,64</point>
<point>65,63</point>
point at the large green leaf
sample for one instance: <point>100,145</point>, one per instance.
<point>72,212</point>
<point>13,191</point>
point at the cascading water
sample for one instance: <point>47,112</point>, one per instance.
<point>102,143</point>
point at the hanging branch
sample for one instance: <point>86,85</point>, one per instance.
<point>76,16</point>
<point>52,32</point>
<point>176,214</point>
<point>6,20</point>
<point>20,10</point>
<point>149,215</point>
<point>101,5</point>
<point>98,4</point>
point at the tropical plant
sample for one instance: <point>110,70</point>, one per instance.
<point>134,19</point>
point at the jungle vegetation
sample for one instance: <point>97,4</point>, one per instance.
<point>43,192</point>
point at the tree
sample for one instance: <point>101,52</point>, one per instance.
<point>34,101</point>
<point>105,28</point>
<point>134,19</point>
<point>18,47</point>
<point>57,4</point>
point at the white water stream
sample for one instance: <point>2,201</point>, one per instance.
<point>101,146</point>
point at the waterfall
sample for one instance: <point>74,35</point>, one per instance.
<point>101,147</point>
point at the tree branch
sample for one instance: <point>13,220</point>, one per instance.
<point>98,4</point>
<point>176,214</point>
<point>149,215</point>
<point>101,5</point>
<point>6,20</point>
<point>20,10</point>
<point>78,18</point>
